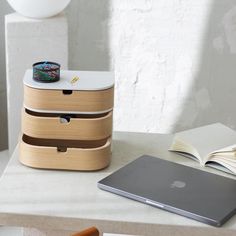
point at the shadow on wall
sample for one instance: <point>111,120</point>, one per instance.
<point>211,97</point>
<point>4,9</point>
<point>88,35</point>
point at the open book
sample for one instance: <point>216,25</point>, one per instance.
<point>212,145</point>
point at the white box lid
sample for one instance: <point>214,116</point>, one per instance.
<point>88,80</point>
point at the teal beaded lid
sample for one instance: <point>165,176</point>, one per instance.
<point>46,71</point>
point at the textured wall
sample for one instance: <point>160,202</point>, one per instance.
<point>174,60</point>
<point>174,64</point>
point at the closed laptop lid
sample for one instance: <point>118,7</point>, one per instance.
<point>193,193</point>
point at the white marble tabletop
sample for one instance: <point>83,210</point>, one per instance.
<point>65,199</point>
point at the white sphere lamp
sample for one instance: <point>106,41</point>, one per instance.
<point>38,8</point>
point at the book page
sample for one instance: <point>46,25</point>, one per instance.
<point>226,151</point>
<point>185,149</point>
<point>188,155</point>
<point>207,139</point>
<point>220,167</point>
<point>229,165</point>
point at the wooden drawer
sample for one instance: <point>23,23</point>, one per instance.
<point>64,154</point>
<point>93,92</point>
<point>68,100</point>
<point>72,127</point>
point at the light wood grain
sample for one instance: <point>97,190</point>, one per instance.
<point>80,101</point>
<point>48,157</point>
<point>77,128</point>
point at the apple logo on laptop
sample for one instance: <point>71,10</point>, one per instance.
<point>178,184</point>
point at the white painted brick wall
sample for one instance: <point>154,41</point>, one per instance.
<point>159,50</point>
<point>174,60</point>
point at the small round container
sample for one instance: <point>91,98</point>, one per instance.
<point>46,71</point>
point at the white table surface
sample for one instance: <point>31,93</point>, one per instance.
<point>65,199</point>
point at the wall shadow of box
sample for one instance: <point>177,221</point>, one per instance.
<point>68,124</point>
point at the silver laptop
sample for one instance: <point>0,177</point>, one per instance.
<point>193,193</point>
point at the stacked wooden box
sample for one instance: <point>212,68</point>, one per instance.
<point>68,124</point>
